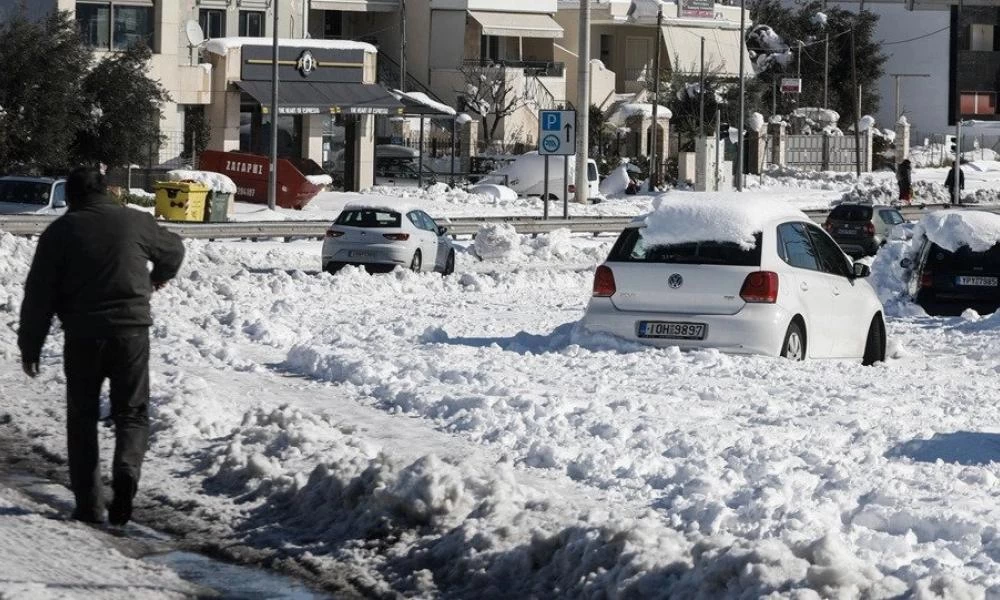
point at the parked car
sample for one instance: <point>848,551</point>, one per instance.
<point>793,294</point>
<point>861,229</point>
<point>397,166</point>
<point>381,238</point>
<point>526,176</point>
<point>32,195</point>
<point>948,283</point>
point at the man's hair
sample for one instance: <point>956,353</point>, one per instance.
<point>83,182</point>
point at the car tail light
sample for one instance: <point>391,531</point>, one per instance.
<point>760,287</point>
<point>571,188</point>
<point>869,229</point>
<point>333,233</point>
<point>604,282</point>
<point>827,226</point>
<point>396,237</point>
<point>926,279</point>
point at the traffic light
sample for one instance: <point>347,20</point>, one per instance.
<point>951,145</point>
<point>723,131</point>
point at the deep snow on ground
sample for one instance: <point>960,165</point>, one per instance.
<point>464,437</point>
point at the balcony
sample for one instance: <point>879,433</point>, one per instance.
<point>531,68</point>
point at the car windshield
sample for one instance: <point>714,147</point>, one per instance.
<point>25,192</point>
<point>851,212</point>
<point>369,218</point>
<point>631,247</point>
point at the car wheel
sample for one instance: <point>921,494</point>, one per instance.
<point>333,267</point>
<point>794,347</point>
<point>449,265</point>
<point>875,346</point>
<point>416,263</point>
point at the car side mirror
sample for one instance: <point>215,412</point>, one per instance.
<point>442,230</point>
<point>58,203</point>
<point>906,263</point>
<point>861,270</point>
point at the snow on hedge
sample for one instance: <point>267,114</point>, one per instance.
<point>624,112</point>
<point>702,218</point>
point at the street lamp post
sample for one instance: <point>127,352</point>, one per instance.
<point>739,152</point>
<point>272,175</point>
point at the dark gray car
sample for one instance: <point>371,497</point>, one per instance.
<point>861,229</point>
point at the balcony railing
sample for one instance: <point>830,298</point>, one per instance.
<point>531,68</point>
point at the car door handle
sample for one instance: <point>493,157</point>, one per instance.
<point>804,286</point>
<point>836,291</point>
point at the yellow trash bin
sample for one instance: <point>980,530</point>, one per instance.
<point>180,200</point>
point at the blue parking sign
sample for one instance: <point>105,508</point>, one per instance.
<point>551,121</point>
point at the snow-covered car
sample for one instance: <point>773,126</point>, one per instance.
<point>952,262</point>
<point>526,176</point>
<point>742,276</point>
<point>32,195</point>
<point>386,237</point>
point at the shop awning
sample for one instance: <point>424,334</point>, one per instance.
<point>722,50</point>
<point>517,24</point>
<point>306,97</point>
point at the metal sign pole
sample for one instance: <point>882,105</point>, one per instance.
<point>545,190</point>
<point>272,176</point>
<point>565,195</point>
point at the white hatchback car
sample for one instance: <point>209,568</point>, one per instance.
<point>379,237</point>
<point>793,294</point>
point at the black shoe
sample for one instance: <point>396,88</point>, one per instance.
<point>88,516</point>
<point>120,509</point>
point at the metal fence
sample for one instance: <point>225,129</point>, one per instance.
<point>826,152</point>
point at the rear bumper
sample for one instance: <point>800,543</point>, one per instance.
<point>367,254</point>
<point>755,329</point>
<point>858,246</point>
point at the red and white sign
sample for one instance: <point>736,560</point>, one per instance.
<point>791,85</point>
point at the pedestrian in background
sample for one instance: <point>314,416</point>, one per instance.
<point>903,178</point>
<point>91,269</point>
<point>949,182</point>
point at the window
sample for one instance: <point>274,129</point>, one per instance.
<point>213,22</point>
<point>891,217</point>
<point>429,223</point>
<point>25,192</point>
<point>489,47</point>
<point>831,257</point>
<point>110,25</point>
<point>606,42</point>
<point>333,24</point>
<point>631,247</point>
<point>979,103</point>
<point>980,37</point>
<point>422,221</point>
<point>851,212</point>
<point>370,218</point>
<point>251,23</point>
<point>59,195</point>
<point>795,247</point>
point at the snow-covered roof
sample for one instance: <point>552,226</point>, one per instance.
<point>696,218</point>
<point>422,98</point>
<point>222,46</point>
<point>952,229</point>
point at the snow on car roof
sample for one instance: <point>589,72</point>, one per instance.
<point>952,229</point>
<point>696,218</point>
<point>401,207</point>
<point>222,46</point>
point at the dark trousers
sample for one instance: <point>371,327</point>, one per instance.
<point>124,361</point>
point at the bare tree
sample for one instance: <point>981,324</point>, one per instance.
<point>490,94</point>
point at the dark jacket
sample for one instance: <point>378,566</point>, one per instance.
<point>949,181</point>
<point>903,176</point>
<point>90,269</point>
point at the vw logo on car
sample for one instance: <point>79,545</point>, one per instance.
<point>675,281</point>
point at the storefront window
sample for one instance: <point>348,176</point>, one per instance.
<point>334,146</point>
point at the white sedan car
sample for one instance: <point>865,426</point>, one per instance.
<point>793,294</point>
<point>378,237</point>
<point>32,195</point>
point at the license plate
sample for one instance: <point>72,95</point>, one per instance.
<point>977,281</point>
<point>672,330</point>
<point>361,254</point>
<point>847,231</point>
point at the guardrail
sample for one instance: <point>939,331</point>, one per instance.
<point>34,225</point>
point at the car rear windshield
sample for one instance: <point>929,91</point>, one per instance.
<point>631,247</point>
<point>851,212</point>
<point>25,192</point>
<point>369,218</point>
<point>963,259</point>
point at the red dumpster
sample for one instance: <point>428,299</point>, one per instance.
<point>249,173</point>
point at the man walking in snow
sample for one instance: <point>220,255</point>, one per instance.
<point>903,178</point>
<point>91,269</point>
<point>949,182</point>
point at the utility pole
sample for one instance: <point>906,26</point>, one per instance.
<point>583,99</point>
<point>739,152</point>
<point>826,64</point>
<point>956,190</point>
<point>701,90</point>
<point>272,175</point>
<point>857,107</point>
<point>402,45</point>
<point>654,165</point>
